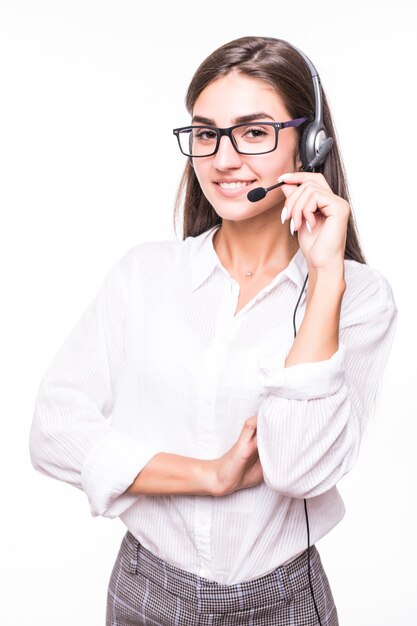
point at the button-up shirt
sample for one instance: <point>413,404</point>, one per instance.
<point>161,362</point>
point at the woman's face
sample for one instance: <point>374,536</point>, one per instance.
<point>221,104</point>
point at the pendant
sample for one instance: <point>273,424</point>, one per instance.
<point>248,273</point>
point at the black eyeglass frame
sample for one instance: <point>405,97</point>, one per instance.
<point>220,132</point>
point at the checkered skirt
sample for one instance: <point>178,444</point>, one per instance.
<point>145,590</point>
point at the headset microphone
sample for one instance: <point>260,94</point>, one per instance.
<point>258,193</point>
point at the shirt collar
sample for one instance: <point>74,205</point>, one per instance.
<point>204,259</point>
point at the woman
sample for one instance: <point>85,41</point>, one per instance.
<point>230,430</point>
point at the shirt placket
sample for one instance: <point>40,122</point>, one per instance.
<point>207,444</point>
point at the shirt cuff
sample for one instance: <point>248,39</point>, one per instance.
<point>305,381</point>
<point>110,468</point>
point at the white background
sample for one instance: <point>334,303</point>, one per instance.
<point>90,91</point>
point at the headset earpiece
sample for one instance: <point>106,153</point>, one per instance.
<point>312,139</point>
<point>303,146</point>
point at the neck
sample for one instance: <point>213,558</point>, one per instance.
<point>246,246</point>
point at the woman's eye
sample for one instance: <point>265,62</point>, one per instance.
<point>206,135</point>
<point>255,133</point>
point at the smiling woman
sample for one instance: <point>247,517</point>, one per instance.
<point>229,430</point>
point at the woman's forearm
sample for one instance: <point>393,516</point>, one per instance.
<point>173,474</point>
<point>318,336</point>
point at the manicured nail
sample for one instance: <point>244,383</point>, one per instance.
<point>284,214</point>
<point>292,226</point>
<point>309,226</point>
<point>283,177</point>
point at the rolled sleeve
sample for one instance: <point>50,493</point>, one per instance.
<point>109,469</point>
<point>304,381</point>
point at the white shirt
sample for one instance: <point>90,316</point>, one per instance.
<point>161,352</point>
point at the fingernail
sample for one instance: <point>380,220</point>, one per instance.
<point>292,226</point>
<point>284,214</point>
<point>308,226</point>
<point>283,177</point>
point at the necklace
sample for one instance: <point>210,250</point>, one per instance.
<point>248,273</point>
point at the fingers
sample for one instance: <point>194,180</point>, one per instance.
<point>307,195</point>
<point>253,476</point>
<point>302,205</point>
<point>248,432</point>
<point>251,422</point>
<point>246,443</point>
<point>301,191</point>
<point>298,178</point>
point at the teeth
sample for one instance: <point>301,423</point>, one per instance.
<point>234,185</point>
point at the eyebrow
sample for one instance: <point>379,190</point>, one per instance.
<point>238,120</point>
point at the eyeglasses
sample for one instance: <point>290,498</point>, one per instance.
<point>255,138</point>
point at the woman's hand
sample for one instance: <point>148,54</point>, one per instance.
<point>318,216</point>
<point>240,467</point>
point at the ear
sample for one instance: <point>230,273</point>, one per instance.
<point>298,164</point>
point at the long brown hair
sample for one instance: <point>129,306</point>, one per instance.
<point>281,66</point>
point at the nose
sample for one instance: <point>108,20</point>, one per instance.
<point>226,156</point>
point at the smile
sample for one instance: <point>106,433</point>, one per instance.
<point>235,184</point>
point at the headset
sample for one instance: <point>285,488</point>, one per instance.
<point>315,145</point>
<point>314,148</point>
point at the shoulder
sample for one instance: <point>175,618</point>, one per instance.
<point>169,255</point>
<point>150,254</point>
<point>367,293</point>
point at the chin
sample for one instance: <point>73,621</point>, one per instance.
<point>245,210</point>
<point>233,217</point>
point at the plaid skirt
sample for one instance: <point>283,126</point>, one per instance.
<point>145,590</point>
